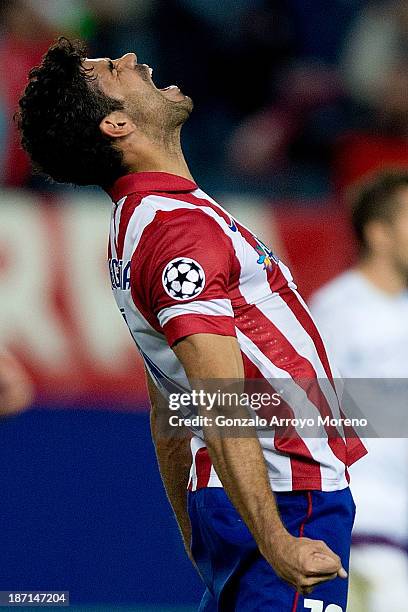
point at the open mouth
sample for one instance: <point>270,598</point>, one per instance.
<point>169,88</point>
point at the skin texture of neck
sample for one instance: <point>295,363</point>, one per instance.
<point>141,154</point>
<point>383,275</point>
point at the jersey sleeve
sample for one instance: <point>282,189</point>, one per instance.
<point>183,269</point>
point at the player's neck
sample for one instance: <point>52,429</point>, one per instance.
<point>172,165</point>
<point>164,156</point>
<point>383,275</point>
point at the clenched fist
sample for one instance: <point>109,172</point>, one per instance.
<point>302,562</point>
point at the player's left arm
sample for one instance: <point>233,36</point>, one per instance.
<point>174,459</point>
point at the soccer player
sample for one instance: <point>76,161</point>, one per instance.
<point>371,302</point>
<point>265,520</point>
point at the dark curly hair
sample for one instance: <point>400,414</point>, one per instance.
<point>59,116</point>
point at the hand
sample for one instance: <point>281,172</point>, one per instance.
<point>302,562</point>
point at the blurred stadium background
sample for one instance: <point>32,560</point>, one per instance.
<point>295,101</point>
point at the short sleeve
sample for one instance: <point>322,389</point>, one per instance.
<point>183,268</point>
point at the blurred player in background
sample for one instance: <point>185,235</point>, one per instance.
<point>204,299</point>
<point>364,316</point>
<point>16,390</point>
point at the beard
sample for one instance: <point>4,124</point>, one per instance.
<point>157,116</point>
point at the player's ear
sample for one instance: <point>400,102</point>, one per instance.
<point>116,125</point>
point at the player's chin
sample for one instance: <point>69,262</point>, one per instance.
<point>174,94</point>
<point>187,105</point>
<point>180,108</point>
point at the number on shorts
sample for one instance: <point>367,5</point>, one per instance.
<point>316,605</point>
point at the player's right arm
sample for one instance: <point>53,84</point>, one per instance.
<point>174,460</point>
<point>240,465</point>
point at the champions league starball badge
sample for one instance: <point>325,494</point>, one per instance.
<point>183,278</point>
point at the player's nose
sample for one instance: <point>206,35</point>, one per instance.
<point>129,59</point>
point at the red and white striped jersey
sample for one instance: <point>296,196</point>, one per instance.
<point>181,265</point>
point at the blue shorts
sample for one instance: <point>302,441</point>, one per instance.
<point>239,579</point>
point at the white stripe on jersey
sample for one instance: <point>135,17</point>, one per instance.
<point>338,382</point>
<point>214,481</point>
<point>278,313</point>
<point>295,396</point>
<point>114,228</point>
<point>253,287</point>
<point>209,307</point>
<point>147,339</point>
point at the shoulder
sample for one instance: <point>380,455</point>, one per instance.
<point>171,219</point>
<point>179,233</point>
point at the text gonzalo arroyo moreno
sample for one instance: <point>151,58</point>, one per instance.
<point>255,401</point>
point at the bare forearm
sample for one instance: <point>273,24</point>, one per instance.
<point>238,461</point>
<point>174,459</point>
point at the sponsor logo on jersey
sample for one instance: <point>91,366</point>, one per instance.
<point>266,257</point>
<point>119,274</point>
<point>183,278</point>
<point>232,225</point>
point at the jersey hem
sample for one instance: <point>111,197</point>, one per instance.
<point>189,324</point>
<point>282,485</point>
<point>356,453</point>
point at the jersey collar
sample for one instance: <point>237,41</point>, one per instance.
<point>147,182</point>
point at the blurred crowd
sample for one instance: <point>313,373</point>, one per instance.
<point>291,99</point>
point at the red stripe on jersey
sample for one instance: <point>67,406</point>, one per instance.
<point>348,451</point>
<point>308,324</point>
<point>188,324</point>
<point>136,285</point>
<point>303,369</point>
<point>127,211</point>
<point>303,469</point>
<point>303,466</point>
<point>279,284</point>
<point>189,198</point>
<point>142,290</point>
<point>203,467</point>
<point>250,369</point>
<point>288,359</point>
<point>355,448</point>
